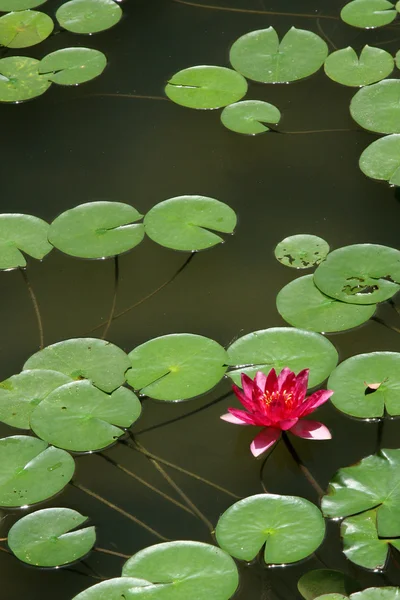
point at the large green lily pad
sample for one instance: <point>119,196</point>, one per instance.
<point>301,251</point>
<point>79,417</point>
<point>103,363</point>
<point>352,379</point>
<point>302,304</point>
<point>20,394</point>
<point>260,56</point>
<point>177,366</point>
<point>21,234</point>
<point>97,230</point>
<point>206,87</point>
<point>20,80</point>
<point>31,471</point>
<point>250,116</point>
<point>373,482</point>
<point>12,5</point>
<point>368,14</point>
<point>291,528</point>
<point>360,274</point>
<point>71,66</point>
<point>377,107</point>
<point>280,347</point>
<point>189,222</point>
<point>112,589</point>
<point>345,67</point>
<point>326,581</point>
<point>181,570</point>
<point>381,159</point>
<point>24,28</point>
<point>88,16</point>
<point>45,538</point>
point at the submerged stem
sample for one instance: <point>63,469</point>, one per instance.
<point>270,453</point>
<point>35,307</point>
<point>114,300</point>
<point>387,325</point>
<point>137,96</point>
<point>121,511</point>
<point>255,11</point>
<point>301,465</point>
<point>111,552</point>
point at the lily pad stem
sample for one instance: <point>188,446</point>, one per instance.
<point>254,11</point>
<point>35,307</point>
<point>264,462</point>
<point>114,300</point>
<point>301,465</point>
<point>111,552</point>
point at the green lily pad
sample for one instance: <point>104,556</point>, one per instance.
<point>250,116</point>
<point>31,471</point>
<point>301,251</point>
<point>280,347</point>
<point>88,16</point>
<point>97,230</point>
<point>260,56</point>
<point>181,570</point>
<point>44,538</point>
<point>346,68</point>
<point>326,581</point>
<point>24,28</point>
<point>71,66</point>
<point>380,593</point>
<point>90,358</point>
<point>381,159</point>
<point>376,107</point>
<point>373,482</point>
<point>368,14</point>
<point>14,5</point>
<point>20,394</point>
<point>21,233</point>
<point>19,81</point>
<point>291,528</point>
<point>177,366</point>
<point>113,589</point>
<point>79,417</point>
<point>352,378</point>
<point>361,543</point>
<point>360,274</point>
<point>301,304</point>
<point>189,222</point>
<point>206,87</point>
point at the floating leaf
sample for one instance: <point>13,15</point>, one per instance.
<point>44,538</point>
<point>97,230</point>
<point>376,107</point>
<point>206,87</point>
<point>368,14</point>
<point>21,233</point>
<point>90,358</point>
<point>346,68</point>
<point>13,5</point>
<point>113,589</point>
<point>352,378</point>
<point>31,471</point>
<point>326,581</point>
<point>71,66</point>
<point>301,304</point>
<point>88,16</point>
<point>291,528</point>
<point>181,570</point>
<point>360,274</point>
<point>250,116</point>
<point>177,366</point>
<point>79,417</point>
<point>260,56</point>
<point>381,159</point>
<point>361,543</point>
<point>20,394</point>
<point>280,347</point>
<point>301,251</point>
<point>24,28</point>
<point>381,593</point>
<point>19,81</point>
<point>189,222</point>
<point>373,482</point>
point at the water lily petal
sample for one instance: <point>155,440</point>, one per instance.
<point>248,386</point>
<point>311,430</point>
<point>232,419</point>
<point>243,416</point>
<point>313,401</point>
<point>287,424</point>
<point>283,376</point>
<point>264,440</point>
<point>243,399</point>
<point>261,379</point>
<point>301,386</point>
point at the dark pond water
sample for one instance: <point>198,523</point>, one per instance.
<point>82,144</point>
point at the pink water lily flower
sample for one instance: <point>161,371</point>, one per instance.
<point>278,403</point>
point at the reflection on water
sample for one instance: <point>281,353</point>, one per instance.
<point>82,144</point>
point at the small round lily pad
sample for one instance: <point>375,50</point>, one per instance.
<point>368,14</point>
<point>112,589</point>
<point>71,66</point>
<point>301,251</point>
<point>250,116</point>
<point>24,28</point>
<point>381,159</point>
<point>45,538</point>
<point>313,584</point>
<point>21,234</point>
<point>345,67</point>
<point>13,5</point>
<point>376,107</point>
<point>206,87</point>
<point>88,16</point>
